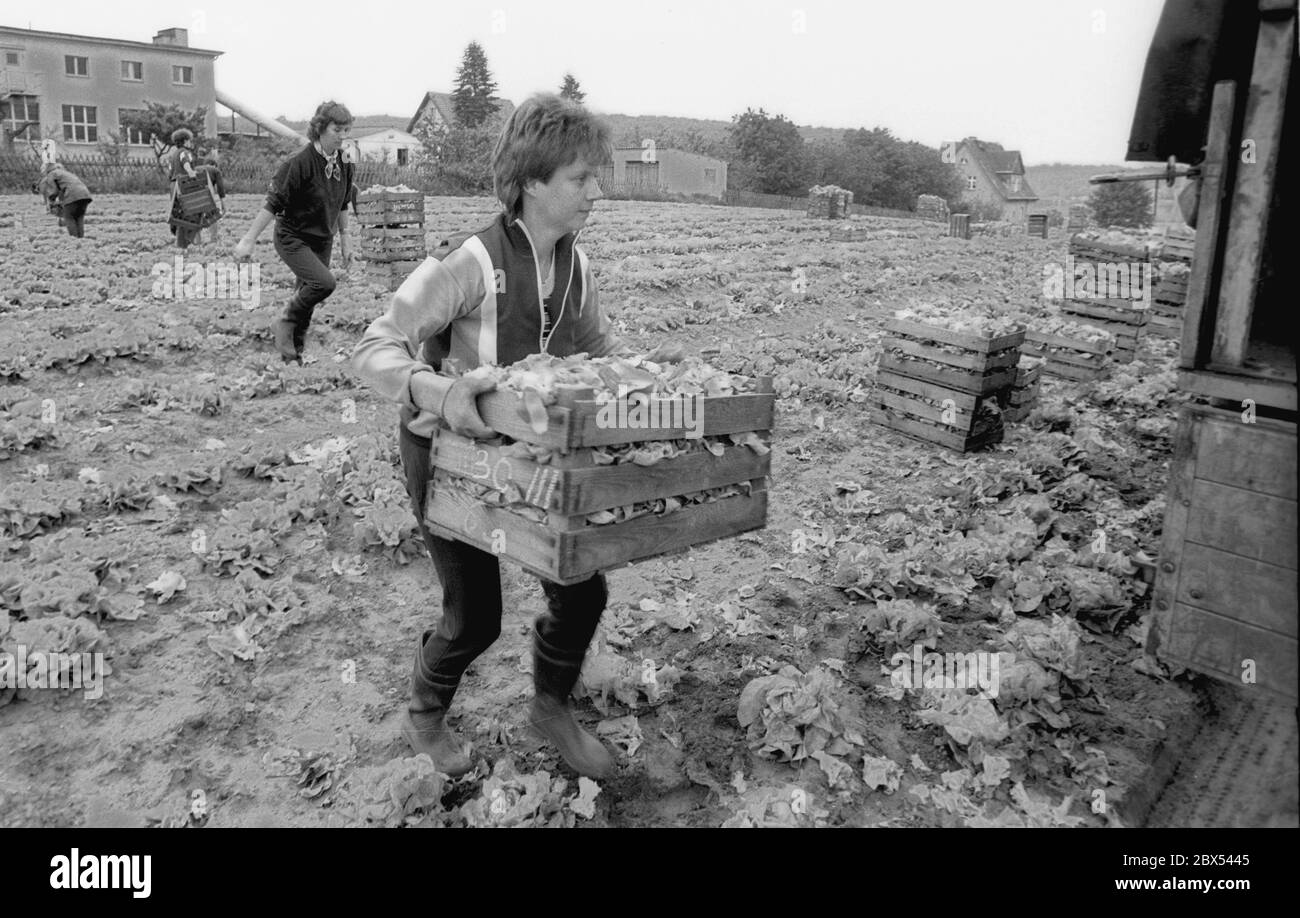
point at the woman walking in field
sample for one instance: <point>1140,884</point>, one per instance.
<point>307,201</point>
<point>180,163</point>
<point>60,188</point>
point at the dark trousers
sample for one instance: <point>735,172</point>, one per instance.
<point>471,609</point>
<point>309,260</point>
<point>74,217</point>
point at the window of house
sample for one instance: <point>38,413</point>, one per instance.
<point>970,183</point>
<point>133,136</point>
<point>182,75</point>
<point>964,160</point>
<point>13,58</point>
<point>710,175</point>
<point>76,66</point>
<point>79,124</point>
<point>1015,183</point>
<point>133,70</point>
<point>17,111</point>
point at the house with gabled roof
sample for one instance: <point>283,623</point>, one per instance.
<point>437,109</point>
<point>995,177</point>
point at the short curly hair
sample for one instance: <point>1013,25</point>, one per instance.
<point>327,113</point>
<point>182,136</point>
<point>544,134</point>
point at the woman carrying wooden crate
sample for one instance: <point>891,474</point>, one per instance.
<point>517,287</point>
<point>61,189</point>
<point>307,201</point>
<point>180,164</point>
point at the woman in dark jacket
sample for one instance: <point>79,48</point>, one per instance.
<point>180,163</point>
<point>61,188</point>
<point>307,201</point>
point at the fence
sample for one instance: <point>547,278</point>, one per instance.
<point>143,176</point>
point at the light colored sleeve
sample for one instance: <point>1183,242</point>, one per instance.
<point>436,294</point>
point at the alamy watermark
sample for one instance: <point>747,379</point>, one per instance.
<point>942,671</point>
<point>214,280</point>
<point>53,670</point>
<point>1099,280</point>
<point>639,411</point>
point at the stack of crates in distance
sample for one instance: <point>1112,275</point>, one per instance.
<point>942,386</point>
<point>1080,217</point>
<point>959,225</point>
<point>1037,226</point>
<point>577,513</point>
<point>1072,351</point>
<point>1112,260</point>
<point>1022,396</point>
<point>392,233</point>
<point>829,202</point>
<point>932,207</point>
<point>1167,303</point>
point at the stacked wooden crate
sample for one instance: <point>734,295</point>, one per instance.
<point>560,509</point>
<point>1037,226</point>
<point>1079,218</point>
<point>1021,397</point>
<point>959,225</point>
<point>1167,303</point>
<point>942,386</point>
<point>1124,317</point>
<point>392,233</point>
<point>932,207</point>
<point>829,201</point>
<point>1071,351</point>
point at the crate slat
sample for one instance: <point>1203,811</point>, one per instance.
<point>949,377</point>
<point>912,329</point>
<point>1075,344</point>
<point>579,491</point>
<point>574,426</point>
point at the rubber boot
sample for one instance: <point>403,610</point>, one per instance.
<point>551,715</point>
<point>424,725</point>
<point>284,332</point>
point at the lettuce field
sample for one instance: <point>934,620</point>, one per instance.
<point>233,536</point>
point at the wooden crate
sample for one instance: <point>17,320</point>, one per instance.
<point>1068,358</point>
<point>573,484</point>
<point>925,432</point>
<point>1023,395</point>
<point>393,243</point>
<point>1096,250</point>
<point>573,422</point>
<point>1125,324</point>
<point>390,208</point>
<point>973,364</point>
<point>1168,327</point>
<point>959,225</point>
<point>568,556</point>
<point>565,547</point>
<point>1225,587</point>
<point>390,274</point>
<point>1037,225</point>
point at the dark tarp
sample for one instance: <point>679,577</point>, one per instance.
<point>1196,44</point>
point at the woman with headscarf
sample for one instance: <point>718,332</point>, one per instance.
<point>180,163</point>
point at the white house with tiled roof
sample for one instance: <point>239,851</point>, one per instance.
<point>995,177</point>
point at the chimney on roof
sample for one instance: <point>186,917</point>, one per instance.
<point>177,37</point>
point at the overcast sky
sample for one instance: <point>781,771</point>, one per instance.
<point>1056,79</point>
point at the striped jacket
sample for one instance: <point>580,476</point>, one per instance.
<point>488,291</point>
